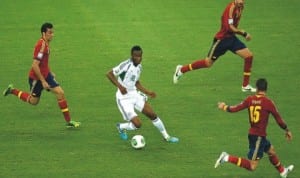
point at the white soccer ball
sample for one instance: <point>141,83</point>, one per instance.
<point>138,142</point>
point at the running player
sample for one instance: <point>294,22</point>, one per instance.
<point>259,108</point>
<point>223,41</point>
<point>40,77</point>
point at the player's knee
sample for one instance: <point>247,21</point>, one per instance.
<point>253,165</point>
<point>33,101</point>
<point>250,54</point>
<point>209,62</point>
<point>249,57</point>
<point>271,151</point>
<point>60,94</point>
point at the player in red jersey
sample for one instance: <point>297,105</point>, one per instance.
<point>259,108</point>
<point>40,77</point>
<point>223,41</point>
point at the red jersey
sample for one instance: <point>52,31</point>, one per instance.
<point>41,53</point>
<point>231,15</point>
<point>259,108</point>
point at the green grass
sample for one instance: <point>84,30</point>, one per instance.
<point>93,36</point>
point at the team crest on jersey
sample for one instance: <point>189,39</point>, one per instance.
<point>133,77</point>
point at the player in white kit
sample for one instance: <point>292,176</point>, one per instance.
<point>131,96</point>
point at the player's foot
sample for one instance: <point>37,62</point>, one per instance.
<point>122,133</point>
<point>248,88</point>
<point>286,171</point>
<point>177,74</point>
<point>73,124</point>
<point>8,90</point>
<point>172,139</point>
<point>221,160</point>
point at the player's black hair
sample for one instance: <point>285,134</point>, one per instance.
<point>136,48</point>
<point>45,26</point>
<point>262,84</point>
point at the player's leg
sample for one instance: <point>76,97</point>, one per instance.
<point>157,122</point>
<point>241,50</point>
<point>126,108</point>
<point>247,55</point>
<point>274,160</point>
<point>62,102</point>
<point>31,98</point>
<point>217,49</point>
<point>238,161</point>
<point>256,150</point>
<point>36,89</point>
<point>63,105</point>
<point>198,64</point>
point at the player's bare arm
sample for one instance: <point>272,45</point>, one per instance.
<point>110,75</point>
<point>221,105</point>
<point>235,29</point>
<point>240,32</point>
<point>233,108</point>
<point>281,123</point>
<point>144,90</point>
<point>37,71</point>
<point>288,135</point>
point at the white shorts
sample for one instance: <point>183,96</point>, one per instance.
<point>130,102</point>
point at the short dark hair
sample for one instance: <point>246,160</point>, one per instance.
<point>136,48</point>
<point>262,84</point>
<point>45,26</point>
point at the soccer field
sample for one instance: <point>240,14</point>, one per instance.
<point>93,36</point>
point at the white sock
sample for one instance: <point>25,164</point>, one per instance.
<point>179,72</point>
<point>161,127</point>
<point>127,126</point>
<point>226,158</point>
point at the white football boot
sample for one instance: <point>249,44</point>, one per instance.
<point>248,88</point>
<point>221,159</point>
<point>177,74</point>
<point>286,171</point>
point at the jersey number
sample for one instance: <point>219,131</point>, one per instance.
<point>255,113</point>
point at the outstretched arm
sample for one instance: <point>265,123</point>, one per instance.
<point>223,106</point>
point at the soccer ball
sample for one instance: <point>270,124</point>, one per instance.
<point>138,142</point>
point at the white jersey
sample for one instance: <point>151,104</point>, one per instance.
<point>128,74</point>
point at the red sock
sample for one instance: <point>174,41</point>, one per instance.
<point>193,66</point>
<point>275,161</point>
<point>247,70</point>
<point>64,109</point>
<point>20,94</point>
<point>241,162</point>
